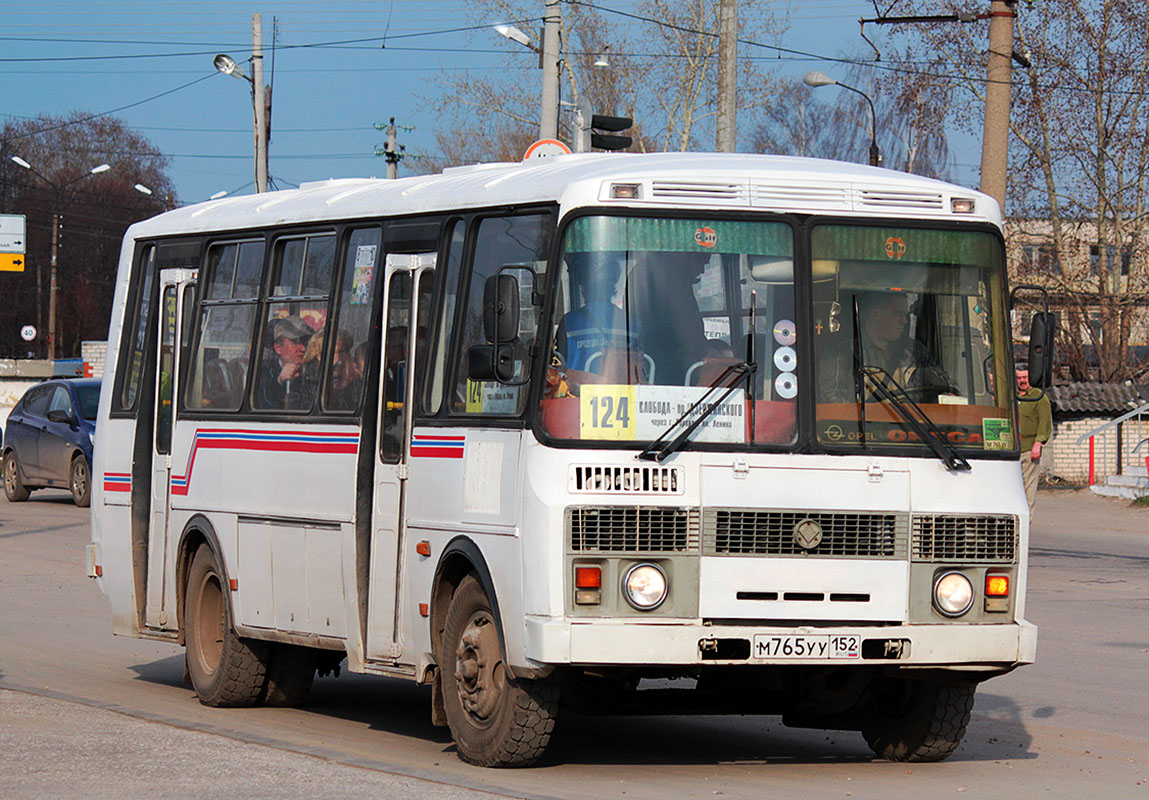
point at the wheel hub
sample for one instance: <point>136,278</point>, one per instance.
<point>479,667</point>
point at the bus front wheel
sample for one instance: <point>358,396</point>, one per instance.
<point>225,670</point>
<point>496,720</point>
<point>912,720</point>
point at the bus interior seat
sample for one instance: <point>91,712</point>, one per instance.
<point>619,365</point>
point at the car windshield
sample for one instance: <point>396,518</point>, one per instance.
<point>89,400</point>
<point>648,312</point>
<point>931,330</point>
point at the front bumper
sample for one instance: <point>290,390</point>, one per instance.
<point>671,643</point>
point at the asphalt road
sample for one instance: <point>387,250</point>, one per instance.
<point>86,714</point>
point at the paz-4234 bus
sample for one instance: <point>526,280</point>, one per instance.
<point>621,433</point>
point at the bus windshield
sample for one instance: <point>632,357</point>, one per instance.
<point>931,331</point>
<point>650,311</point>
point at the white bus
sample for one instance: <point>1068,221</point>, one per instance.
<point>623,433</point>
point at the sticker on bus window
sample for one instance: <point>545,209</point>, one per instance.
<point>489,397</point>
<point>623,412</point>
<point>607,411</point>
<point>364,269</point>
<point>997,434</point>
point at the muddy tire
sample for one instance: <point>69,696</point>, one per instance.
<point>918,720</point>
<point>496,720</point>
<point>14,488</point>
<point>80,482</point>
<point>290,673</point>
<point>225,670</point>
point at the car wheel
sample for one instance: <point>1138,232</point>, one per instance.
<point>14,488</point>
<point>80,481</point>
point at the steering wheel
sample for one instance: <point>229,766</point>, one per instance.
<point>925,394</point>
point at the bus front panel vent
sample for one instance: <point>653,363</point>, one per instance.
<point>701,192</point>
<point>631,529</point>
<point>966,539</point>
<point>929,201</point>
<point>804,534</point>
<point>614,479</point>
<point>804,198</point>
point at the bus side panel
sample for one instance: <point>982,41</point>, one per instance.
<point>111,476</point>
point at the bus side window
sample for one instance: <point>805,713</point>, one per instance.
<point>295,324</point>
<point>135,331</point>
<point>454,261</point>
<point>219,363</point>
<point>501,241</point>
<point>346,359</point>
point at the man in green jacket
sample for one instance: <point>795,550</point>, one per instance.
<point>1035,426</point>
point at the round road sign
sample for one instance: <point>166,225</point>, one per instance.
<point>544,148</point>
<point>28,333</point>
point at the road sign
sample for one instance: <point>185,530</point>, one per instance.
<point>11,262</point>
<point>28,333</point>
<point>544,148</point>
<point>12,233</point>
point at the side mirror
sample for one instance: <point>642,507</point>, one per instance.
<point>489,362</point>
<point>1041,332</point>
<point>60,416</point>
<point>501,308</point>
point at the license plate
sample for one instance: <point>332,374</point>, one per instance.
<point>802,647</point>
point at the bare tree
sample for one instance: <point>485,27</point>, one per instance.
<point>661,75</point>
<point>94,212</point>
<point>1079,154</point>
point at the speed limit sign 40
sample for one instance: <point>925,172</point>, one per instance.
<point>28,333</point>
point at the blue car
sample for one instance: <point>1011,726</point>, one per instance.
<point>49,438</point>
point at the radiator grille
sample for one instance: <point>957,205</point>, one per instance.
<point>941,537</point>
<point>844,534</point>
<point>631,529</point>
<point>613,479</point>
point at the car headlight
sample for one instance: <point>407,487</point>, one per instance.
<point>645,586</point>
<point>953,594</point>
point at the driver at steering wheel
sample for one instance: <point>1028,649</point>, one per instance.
<point>883,317</point>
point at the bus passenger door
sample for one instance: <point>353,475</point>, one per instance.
<point>177,288</point>
<point>401,316</point>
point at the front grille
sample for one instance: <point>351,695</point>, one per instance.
<point>615,479</point>
<point>945,537</point>
<point>771,533</point>
<point>631,529</point>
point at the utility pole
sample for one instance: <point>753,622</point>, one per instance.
<point>995,137</point>
<point>259,102</point>
<point>52,287</point>
<point>727,75</point>
<point>549,108</point>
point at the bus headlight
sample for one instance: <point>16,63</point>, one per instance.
<point>953,594</point>
<point>645,586</point>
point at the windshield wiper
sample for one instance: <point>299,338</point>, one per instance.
<point>728,380</point>
<point>921,424</point>
<point>913,415</point>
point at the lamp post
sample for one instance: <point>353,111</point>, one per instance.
<point>816,79</point>
<point>58,188</point>
<point>226,64</point>
<point>549,60</point>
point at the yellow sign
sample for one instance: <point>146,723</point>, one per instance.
<point>607,411</point>
<point>12,262</point>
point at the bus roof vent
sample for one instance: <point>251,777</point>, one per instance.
<point>795,197</point>
<point>616,479</point>
<point>710,192</point>
<point>931,201</point>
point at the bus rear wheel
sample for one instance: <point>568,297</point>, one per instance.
<point>912,720</point>
<point>225,670</point>
<point>496,719</point>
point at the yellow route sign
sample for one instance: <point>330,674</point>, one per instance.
<point>12,262</point>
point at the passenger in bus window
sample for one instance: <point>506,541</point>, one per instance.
<point>883,318</point>
<point>346,376</point>
<point>597,325</point>
<point>285,383</point>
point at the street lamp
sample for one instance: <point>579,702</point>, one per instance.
<point>260,100</point>
<point>816,78</point>
<point>59,190</point>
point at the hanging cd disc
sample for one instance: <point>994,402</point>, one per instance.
<point>785,332</point>
<point>785,359</point>
<point>786,385</point>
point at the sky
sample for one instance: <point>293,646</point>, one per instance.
<point>339,69</point>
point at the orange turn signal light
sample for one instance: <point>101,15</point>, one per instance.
<point>997,585</point>
<point>588,577</point>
